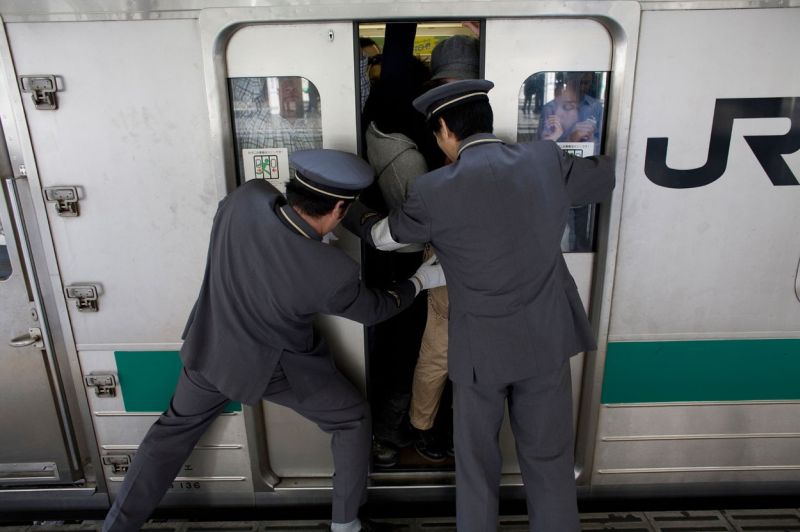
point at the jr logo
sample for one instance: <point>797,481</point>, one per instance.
<point>767,148</point>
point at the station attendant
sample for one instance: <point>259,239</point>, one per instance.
<point>495,219</point>
<point>250,335</point>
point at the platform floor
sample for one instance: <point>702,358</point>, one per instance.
<point>781,520</point>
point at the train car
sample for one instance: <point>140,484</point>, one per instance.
<point>124,124</point>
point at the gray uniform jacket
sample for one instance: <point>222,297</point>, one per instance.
<point>495,218</point>
<point>267,276</point>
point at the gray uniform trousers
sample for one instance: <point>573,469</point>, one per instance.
<point>338,409</point>
<point>540,409</point>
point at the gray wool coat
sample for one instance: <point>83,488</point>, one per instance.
<point>397,163</point>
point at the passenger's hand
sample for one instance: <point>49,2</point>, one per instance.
<point>583,131</point>
<point>429,275</point>
<point>553,128</point>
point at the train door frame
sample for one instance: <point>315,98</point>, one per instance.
<point>620,18</point>
<point>409,461</point>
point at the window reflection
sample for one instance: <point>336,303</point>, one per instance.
<point>568,108</point>
<point>272,117</point>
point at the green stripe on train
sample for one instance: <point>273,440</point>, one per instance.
<point>148,379</point>
<point>702,370</point>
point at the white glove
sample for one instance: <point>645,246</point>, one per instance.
<point>429,275</point>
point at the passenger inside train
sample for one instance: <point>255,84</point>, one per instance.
<point>573,116</point>
<point>408,354</point>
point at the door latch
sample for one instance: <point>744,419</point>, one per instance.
<point>43,90</point>
<point>65,198</point>
<point>86,295</point>
<point>119,462</point>
<point>104,384</point>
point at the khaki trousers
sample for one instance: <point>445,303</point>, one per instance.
<point>430,374</point>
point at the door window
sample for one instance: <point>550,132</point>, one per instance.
<point>568,108</point>
<point>272,117</point>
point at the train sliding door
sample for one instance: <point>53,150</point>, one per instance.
<point>292,87</point>
<point>550,80</point>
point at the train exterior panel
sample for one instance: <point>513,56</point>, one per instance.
<point>125,125</point>
<point>704,318</point>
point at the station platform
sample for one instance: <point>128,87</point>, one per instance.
<point>769,520</point>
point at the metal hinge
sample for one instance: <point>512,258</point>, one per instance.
<point>86,295</point>
<point>43,90</point>
<point>104,384</point>
<point>119,462</point>
<point>65,198</point>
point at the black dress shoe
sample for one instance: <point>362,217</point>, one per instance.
<point>400,436</point>
<point>384,454</point>
<point>429,447</point>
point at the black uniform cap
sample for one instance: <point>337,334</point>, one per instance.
<point>333,173</point>
<point>444,96</point>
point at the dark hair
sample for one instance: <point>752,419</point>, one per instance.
<point>310,202</point>
<point>465,119</point>
<point>389,106</point>
<point>391,100</point>
<point>366,41</point>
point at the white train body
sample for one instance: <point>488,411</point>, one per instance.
<point>693,283</point>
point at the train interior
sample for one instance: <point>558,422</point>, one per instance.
<point>399,69</point>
